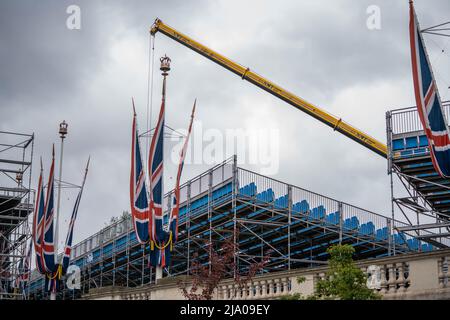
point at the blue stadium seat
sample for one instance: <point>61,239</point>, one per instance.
<point>351,223</point>
<point>355,223</point>
<point>399,238</point>
<point>411,143</point>
<point>248,190</point>
<point>282,202</point>
<point>382,234</point>
<point>398,144</point>
<point>414,243</point>
<point>333,218</point>
<point>266,196</point>
<point>121,242</point>
<point>367,229</point>
<point>301,207</point>
<point>423,141</point>
<point>370,228</point>
<point>96,254</point>
<point>330,218</point>
<point>317,213</point>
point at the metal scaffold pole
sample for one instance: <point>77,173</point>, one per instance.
<point>391,249</point>
<point>235,191</point>
<point>188,227</point>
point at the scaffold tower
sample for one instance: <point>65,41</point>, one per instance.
<point>16,205</point>
<point>420,196</point>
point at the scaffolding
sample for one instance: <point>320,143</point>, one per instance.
<point>424,200</point>
<point>16,204</point>
<point>287,226</point>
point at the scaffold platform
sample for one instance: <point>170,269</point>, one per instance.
<point>16,204</point>
<point>427,193</point>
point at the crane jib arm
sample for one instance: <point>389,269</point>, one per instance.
<point>245,73</point>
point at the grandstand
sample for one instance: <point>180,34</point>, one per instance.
<point>425,204</point>
<point>268,219</point>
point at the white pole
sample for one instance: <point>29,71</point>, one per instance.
<point>158,274</point>
<point>165,68</point>
<point>62,132</point>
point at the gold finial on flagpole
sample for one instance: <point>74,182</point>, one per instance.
<point>165,65</point>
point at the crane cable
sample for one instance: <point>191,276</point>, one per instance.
<point>151,64</point>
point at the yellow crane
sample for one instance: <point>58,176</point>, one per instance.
<point>246,74</point>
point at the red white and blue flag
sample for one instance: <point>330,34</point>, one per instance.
<point>174,214</point>
<point>38,225</point>
<point>155,165</point>
<point>428,101</point>
<point>48,248</point>
<point>140,210</point>
<point>68,244</point>
<point>43,237</point>
<point>151,213</point>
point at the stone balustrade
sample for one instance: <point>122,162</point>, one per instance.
<point>411,276</point>
<point>257,289</point>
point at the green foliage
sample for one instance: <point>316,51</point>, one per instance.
<point>344,281</point>
<point>295,296</point>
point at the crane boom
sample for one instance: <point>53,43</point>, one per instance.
<point>246,74</point>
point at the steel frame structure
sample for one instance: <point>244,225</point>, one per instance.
<point>16,204</point>
<point>425,194</point>
<point>285,225</point>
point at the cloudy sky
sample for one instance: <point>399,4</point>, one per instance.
<point>320,50</point>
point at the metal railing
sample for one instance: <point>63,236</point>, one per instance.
<point>318,207</point>
<point>407,120</point>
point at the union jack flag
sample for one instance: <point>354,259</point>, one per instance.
<point>68,244</point>
<point>140,211</point>
<point>173,221</point>
<point>428,101</point>
<point>38,225</point>
<point>155,165</point>
<point>48,248</point>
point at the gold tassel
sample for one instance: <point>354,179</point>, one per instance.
<point>59,272</point>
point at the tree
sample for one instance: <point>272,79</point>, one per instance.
<point>206,278</point>
<point>344,280</point>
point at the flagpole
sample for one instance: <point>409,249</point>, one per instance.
<point>62,132</point>
<point>81,192</point>
<point>165,68</point>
